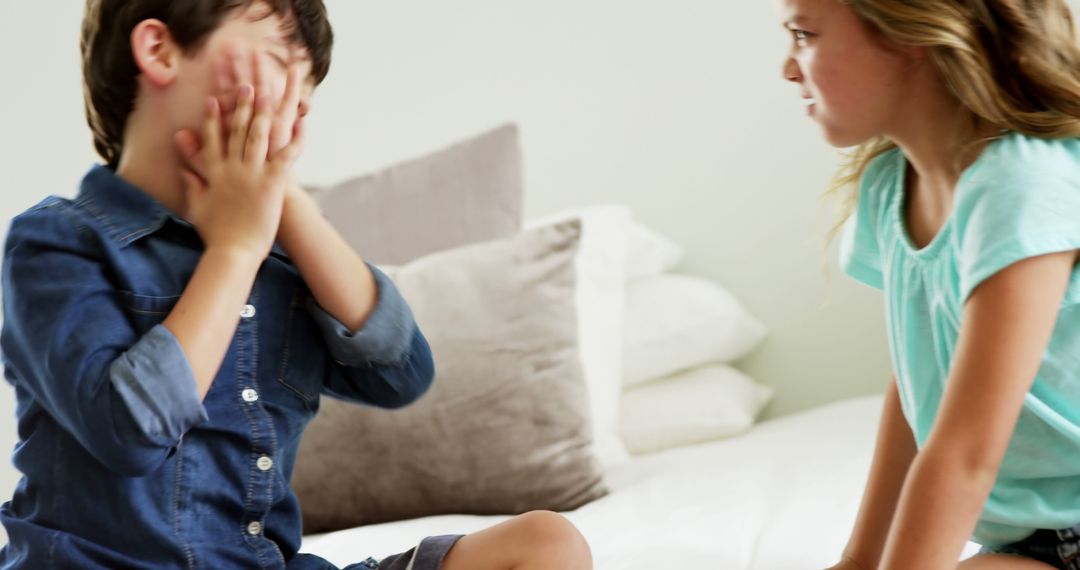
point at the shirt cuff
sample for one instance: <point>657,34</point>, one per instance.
<point>156,382</point>
<point>385,337</point>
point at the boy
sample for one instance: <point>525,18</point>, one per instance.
<point>169,331</point>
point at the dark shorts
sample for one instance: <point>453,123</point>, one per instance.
<point>428,555</point>
<point>1058,548</point>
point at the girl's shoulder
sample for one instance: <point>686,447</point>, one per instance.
<point>1021,173</point>
<point>883,177</point>
<point>1017,157</point>
<point>884,170</point>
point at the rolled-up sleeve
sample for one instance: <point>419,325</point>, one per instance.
<point>388,362</point>
<point>155,380</point>
<point>67,341</point>
<point>386,335</point>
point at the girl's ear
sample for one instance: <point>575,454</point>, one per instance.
<point>919,53</point>
<point>156,54</point>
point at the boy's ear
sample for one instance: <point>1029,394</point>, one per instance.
<point>156,54</point>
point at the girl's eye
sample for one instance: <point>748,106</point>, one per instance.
<point>801,36</point>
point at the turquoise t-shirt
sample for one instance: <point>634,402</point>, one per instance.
<point>1020,199</point>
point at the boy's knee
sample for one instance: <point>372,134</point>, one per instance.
<point>553,533</point>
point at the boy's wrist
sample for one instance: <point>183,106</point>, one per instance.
<point>298,206</point>
<point>295,193</point>
<point>244,258</point>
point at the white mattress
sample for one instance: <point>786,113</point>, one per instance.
<point>782,496</point>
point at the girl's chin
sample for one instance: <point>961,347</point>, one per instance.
<point>839,138</point>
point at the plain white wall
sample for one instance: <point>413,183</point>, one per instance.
<point>675,107</point>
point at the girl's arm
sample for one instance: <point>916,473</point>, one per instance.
<point>893,453</point>
<point>1006,326</point>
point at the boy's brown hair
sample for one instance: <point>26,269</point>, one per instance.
<point>109,69</point>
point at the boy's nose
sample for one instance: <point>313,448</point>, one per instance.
<point>791,70</point>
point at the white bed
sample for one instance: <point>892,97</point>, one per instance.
<point>782,496</point>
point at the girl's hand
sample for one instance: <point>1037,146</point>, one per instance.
<point>237,202</point>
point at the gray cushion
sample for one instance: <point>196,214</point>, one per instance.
<point>466,193</point>
<point>506,426</point>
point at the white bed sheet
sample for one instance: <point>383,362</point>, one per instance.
<point>782,496</point>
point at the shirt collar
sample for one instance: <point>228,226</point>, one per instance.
<point>125,212</point>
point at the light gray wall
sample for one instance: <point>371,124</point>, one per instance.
<point>675,107</point>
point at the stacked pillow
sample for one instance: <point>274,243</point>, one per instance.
<point>558,346</point>
<point>526,336</point>
<point>600,299</point>
<point>680,336</point>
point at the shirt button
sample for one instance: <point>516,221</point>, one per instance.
<point>249,395</point>
<point>254,528</point>
<point>264,463</point>
<point>247,312</point>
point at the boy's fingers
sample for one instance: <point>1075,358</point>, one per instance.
<point>187,142</point>
<point>258,136</point>
<point>193,185</point>
<point>260,77</point>
<point>212,130</point>
<point>262,89</point>
<point>225,84</point>
<point>288,155</point>
<point>241,122</point>
<point>288,111</point>
<point>290,102</point>
<point>295,83</point>
<point>239,65</point>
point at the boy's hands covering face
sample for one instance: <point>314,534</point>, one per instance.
<point>237,199</point>
<point>231,72</point>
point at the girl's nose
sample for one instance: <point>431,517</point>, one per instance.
<point>791,70</point>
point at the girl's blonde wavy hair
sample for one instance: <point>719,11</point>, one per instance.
<point>1014,64</point>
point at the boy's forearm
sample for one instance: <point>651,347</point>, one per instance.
<point>894,452</point>
<point>939,509</point>
<point>204,320</point>
<point>338,278</point>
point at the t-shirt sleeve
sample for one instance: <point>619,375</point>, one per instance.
<point>1006,217</point>
<point>859,253</point>
<point>860,249</point>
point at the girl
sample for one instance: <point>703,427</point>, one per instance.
<point>966,114</point>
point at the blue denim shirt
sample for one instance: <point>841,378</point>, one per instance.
<point>123,466</point>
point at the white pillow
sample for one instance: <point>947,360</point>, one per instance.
<point>601,299</point>
<point>650,253</point>
<point>698,405</point>
<point>676,322</point>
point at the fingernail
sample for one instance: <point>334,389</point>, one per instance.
<point>245,90</point>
